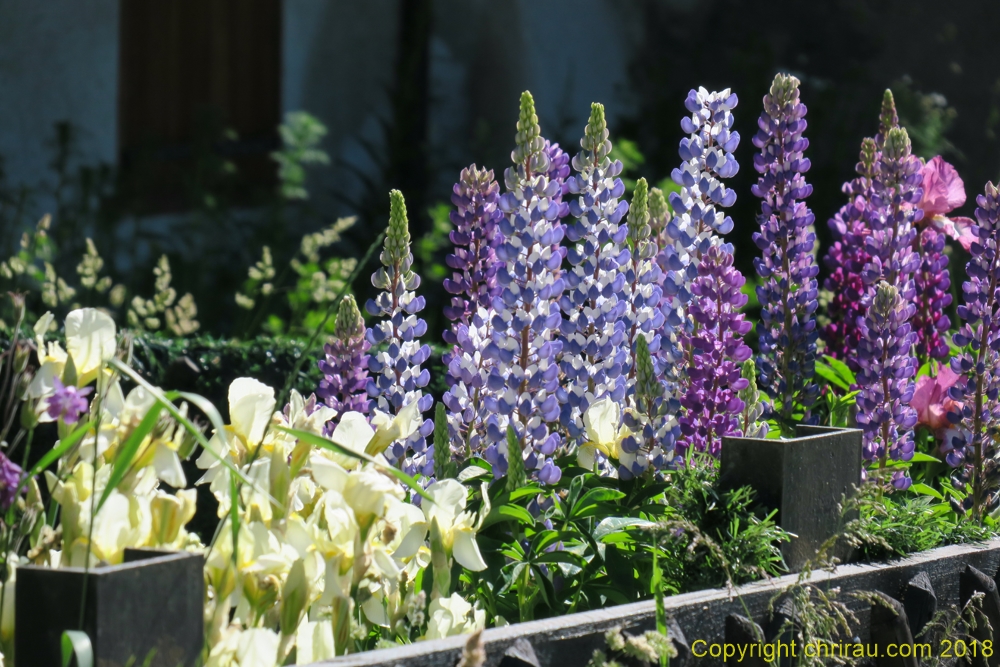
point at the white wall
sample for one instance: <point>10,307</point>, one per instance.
<point>58,61</point>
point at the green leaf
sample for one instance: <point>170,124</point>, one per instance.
<point>617,524</point>
<point>76,644</point>
<point>234,520</point>
<point>127,451</point>
<point>841,369</point>
<point>920,457</point>
<point>320,441</point>
<point>831,376</point>
<point>64,446</point>
<point>509,513</point>
<point>561,557</point>
<point>592,498</point>
<point>530,490</point>
<point>925,490</point>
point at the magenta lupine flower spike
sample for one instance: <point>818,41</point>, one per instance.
<point>885,380</point>
<point>849,254</point>
<point>846,259</point>
<point>398,379</point>
<point>524,378</point>
<point>933,283</point>
<point>67,402</point>
<point>978,388</point>
<point>476,236</point>
<point>595,355</point>
<point>712,404</point>
<point>345,368</point>
<point>788,294</point>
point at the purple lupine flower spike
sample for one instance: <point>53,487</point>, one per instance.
<point>933,284</point>
<point>978,387</point>
<point>788,294</point>
<point>398,378</point>
<point>524,378</point>
<point>67,402</point>
<point>707,156</point>
<point>885,380</point>
<point>475,236</point>
<point>595,353</point>
<point>11,476</point>
<point>345,368</point>
<point>643,277</point>
<point>712,404</point>
<point>474,284</point>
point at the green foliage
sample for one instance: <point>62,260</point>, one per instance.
<point>301,135</point>
<point>928,117</point>
<point>589,541</point>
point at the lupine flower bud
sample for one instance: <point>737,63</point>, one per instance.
<point>643,278</point>
<point>651,423</point>
<point>442,444</point>
<point>515,457</point>
<point>399,380</point>
<point>345,368</point>
<point>753,406</point>
<point>788,293</point>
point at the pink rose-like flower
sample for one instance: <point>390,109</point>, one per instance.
<point>944,191</point>
<point>931,400</point>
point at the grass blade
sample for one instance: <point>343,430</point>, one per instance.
<point>127,451</point>
<point>76,644</point>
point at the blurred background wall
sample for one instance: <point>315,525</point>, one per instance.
<point>147,124</point>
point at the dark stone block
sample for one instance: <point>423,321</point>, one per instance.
<point>890,628</point>
<point>680,643</point>
<point>805,478</point>
<point>973,581</point>
<point>521,654</point>
<point>741,631</point>
<point>154,600</point>
<point>920,602</point>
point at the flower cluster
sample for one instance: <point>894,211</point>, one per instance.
<point>932,283</point>
<point>326,545</point>
<point>651,422</point>
<point>476,217</point>
<point>475,237</point>
<point>788,294</point>
<point>849,292</point>
<point>345,368</point>
<point>886,381</point>
<point>707,156</point>
<point>595,349</point>
<point>399,379</point>
<point>978,389</point>
<point>524,379</point>
<point>712,403</point>
<point>643,279</point>
<point>846,259</point>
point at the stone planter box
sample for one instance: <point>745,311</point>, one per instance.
<point>925,582</point>
<point>805,478</point>
<point>152,601</point>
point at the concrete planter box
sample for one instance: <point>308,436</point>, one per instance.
<point>805,478</point>
<point>152,601</point>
